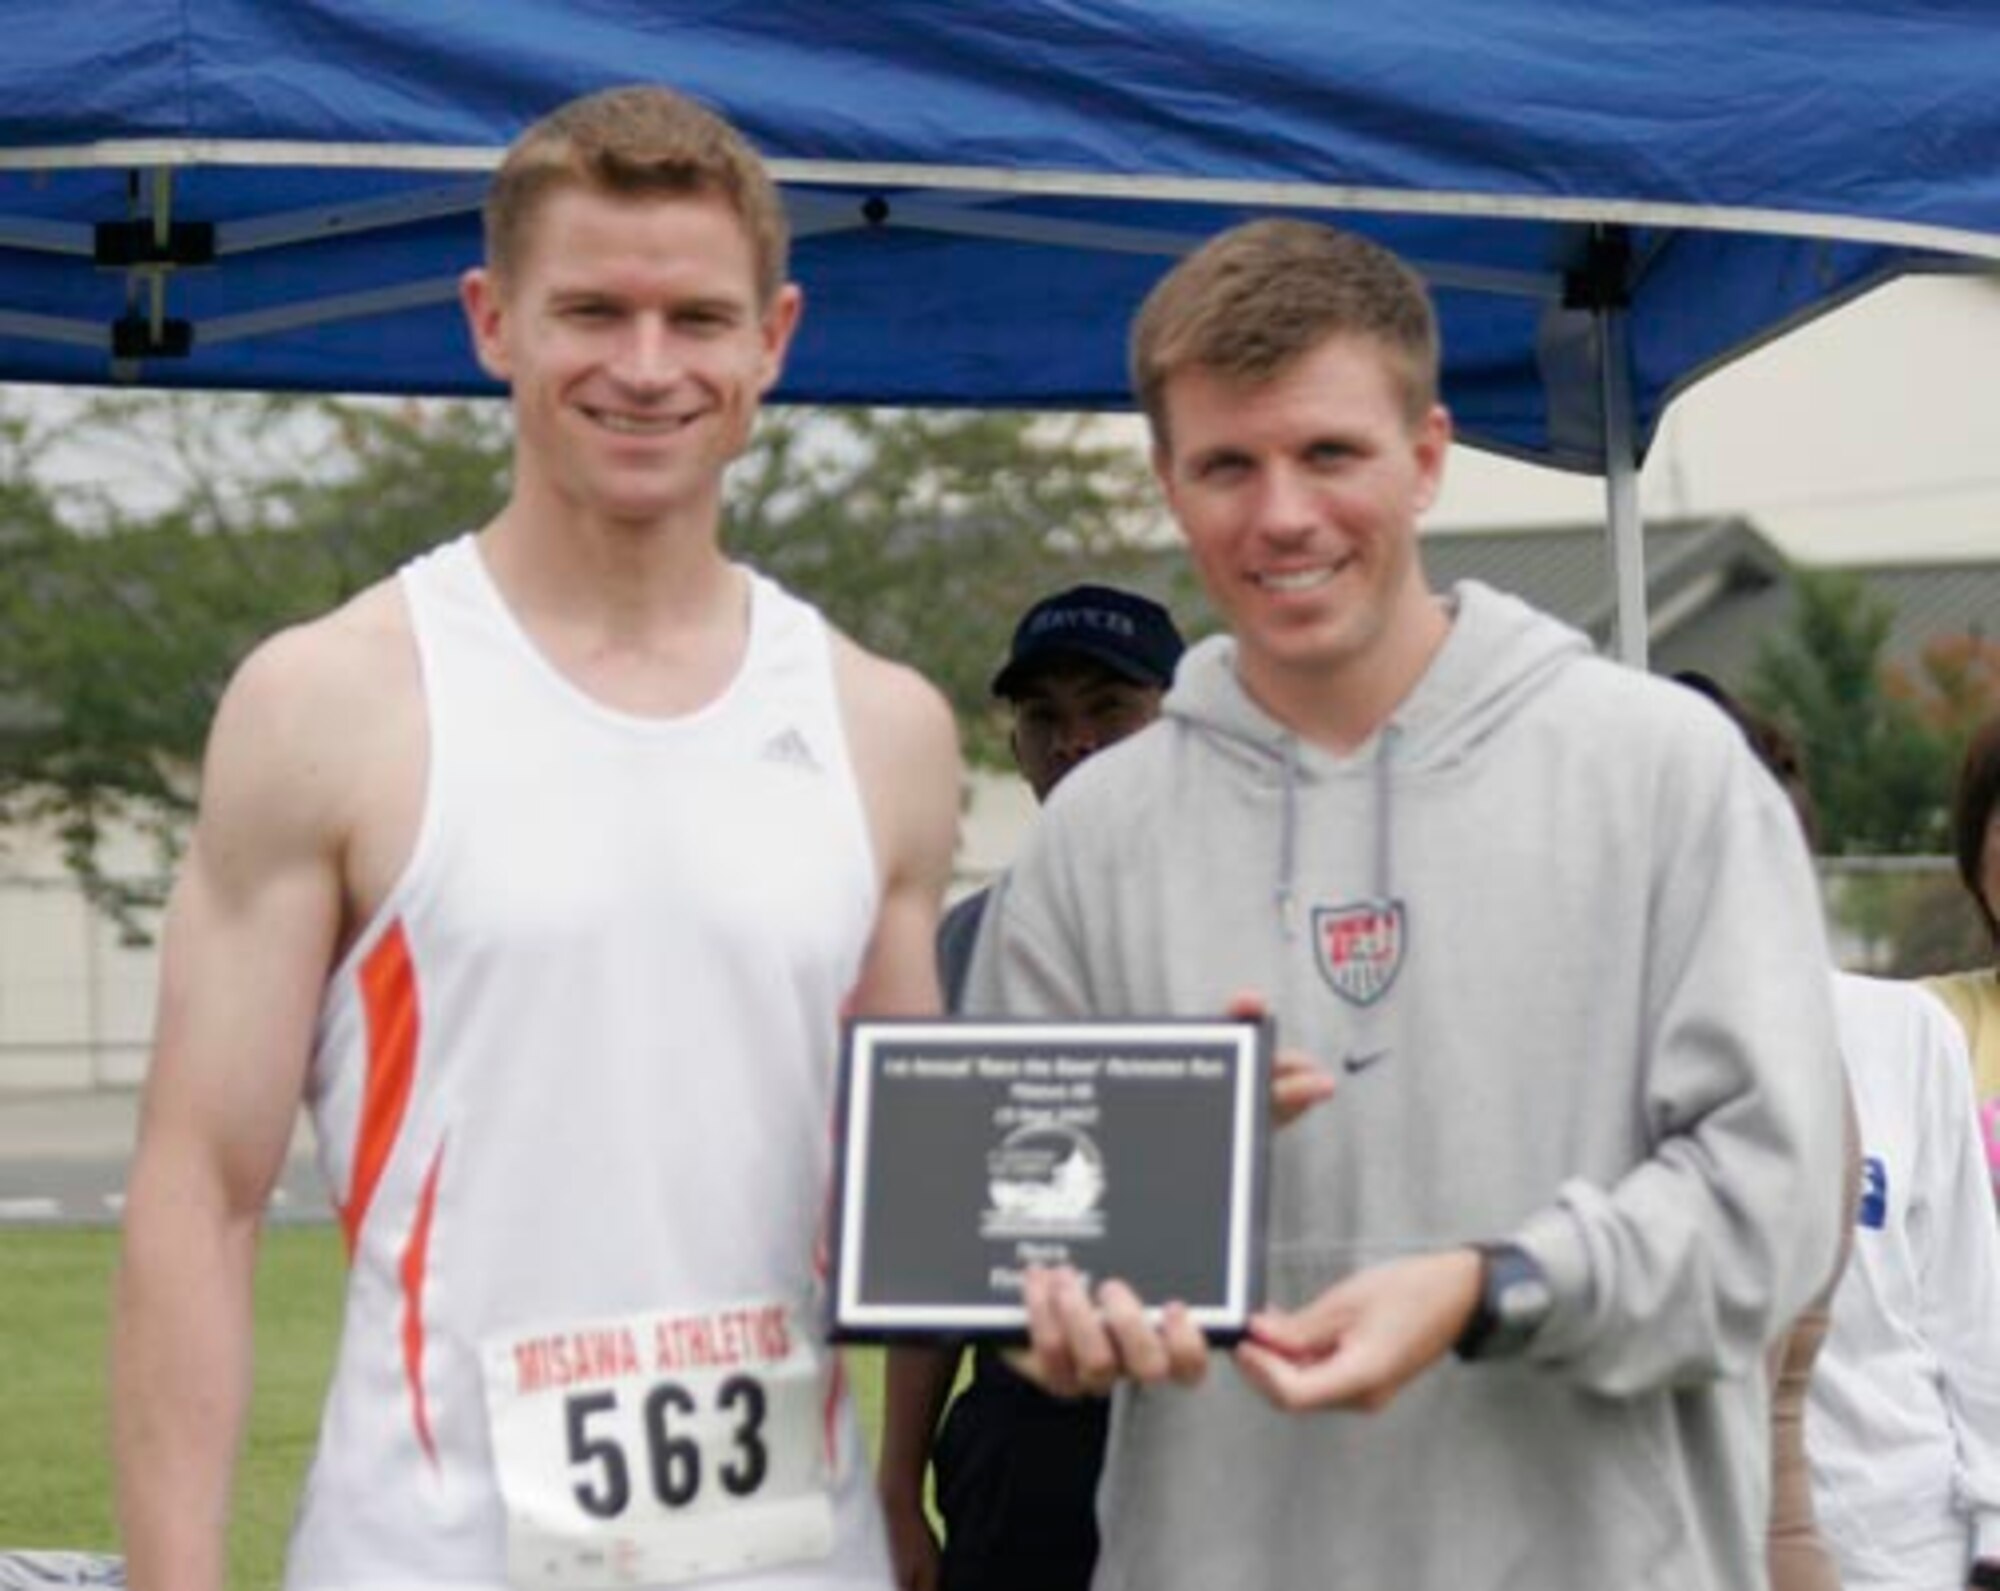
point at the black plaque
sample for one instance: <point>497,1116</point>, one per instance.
<point>968,1151</point>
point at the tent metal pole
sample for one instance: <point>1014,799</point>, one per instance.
<point>1621,486</point>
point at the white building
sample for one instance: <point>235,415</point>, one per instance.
<point>76,1001</point>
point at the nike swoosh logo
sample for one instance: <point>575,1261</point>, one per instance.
<point>1361,1063</point>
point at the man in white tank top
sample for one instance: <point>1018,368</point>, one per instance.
<point>543,872</point>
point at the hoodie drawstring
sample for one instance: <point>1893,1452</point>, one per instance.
<point>1284,892</point>
<point>1385,746</point>
<point>1288,841</point>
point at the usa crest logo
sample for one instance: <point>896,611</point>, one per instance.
<point>1359,948</point>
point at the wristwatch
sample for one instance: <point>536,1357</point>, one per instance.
<point>1985,1575</point>
<point>1514,1300</point>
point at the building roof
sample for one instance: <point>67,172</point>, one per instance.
<point>1716,588</point>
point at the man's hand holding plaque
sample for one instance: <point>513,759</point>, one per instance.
<point>1083,1341</point>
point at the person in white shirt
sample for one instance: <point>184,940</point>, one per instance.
<point>1903,1408</point>
<point>1903,1418</point>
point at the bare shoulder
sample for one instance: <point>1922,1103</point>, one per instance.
<point>338,654</point>
<point>309,720</point>
<point>317,683</point>
<point>905,747</point>
<point>889,707</point>
<point>904,744</point>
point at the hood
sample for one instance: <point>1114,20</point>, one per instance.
<point>1499,654</point>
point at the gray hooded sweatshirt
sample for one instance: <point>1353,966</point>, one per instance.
<point>1557,932</point>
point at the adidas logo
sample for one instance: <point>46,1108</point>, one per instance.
<point>789,747</point>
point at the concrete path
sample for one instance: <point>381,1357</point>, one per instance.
<point>63,1156</point>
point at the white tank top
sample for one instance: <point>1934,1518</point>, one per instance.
<point>573,1096</point>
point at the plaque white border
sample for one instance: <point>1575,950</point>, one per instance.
<point>1249,1043</point>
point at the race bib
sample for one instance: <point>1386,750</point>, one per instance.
<point>660,1447</point>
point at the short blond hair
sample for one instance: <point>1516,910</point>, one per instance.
<point>637,140</point>
<point>1253,300</point>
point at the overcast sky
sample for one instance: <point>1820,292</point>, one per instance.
<point>1871,434</point>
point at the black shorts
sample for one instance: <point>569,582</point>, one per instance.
<point>1016,1475</point>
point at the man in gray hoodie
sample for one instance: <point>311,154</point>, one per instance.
<point>1559,937</point>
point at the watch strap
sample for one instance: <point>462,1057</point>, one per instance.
<point>1513,1302</point>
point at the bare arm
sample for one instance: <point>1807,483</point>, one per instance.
<point>906,755</point>
<point>249,936</point>
<point>905,749</point>
<point>1363,1340</point>
<point>917,1382</point>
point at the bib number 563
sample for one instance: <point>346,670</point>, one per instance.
<point>673,1457</point>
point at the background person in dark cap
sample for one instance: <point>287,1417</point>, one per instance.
<point>1017,1469</point>
<point>1087,667</point>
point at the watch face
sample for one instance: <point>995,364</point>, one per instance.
<point>1519,1297</point>
<point>1524,1300</point>
<point>1515,1298</point>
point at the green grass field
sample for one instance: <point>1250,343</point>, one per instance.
<point>55,1470</point>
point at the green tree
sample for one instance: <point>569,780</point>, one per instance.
<point>923,534</point>
<point>1955,687</point>
<point>120,626</point>
<point>1880,775</point>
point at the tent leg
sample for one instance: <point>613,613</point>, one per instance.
<point>1621,485</point>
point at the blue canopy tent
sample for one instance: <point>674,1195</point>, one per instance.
<point>1610,197</point>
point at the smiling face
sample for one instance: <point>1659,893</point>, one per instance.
<point>1299,496</point>
<point>632,336</point>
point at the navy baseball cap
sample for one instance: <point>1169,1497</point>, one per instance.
<point>1131,635</point>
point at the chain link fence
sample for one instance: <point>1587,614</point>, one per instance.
<point>1902,916</point>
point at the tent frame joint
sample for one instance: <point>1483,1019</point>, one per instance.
<point>1603,279</point>
<point>139,244</point>
<point>141,337</point>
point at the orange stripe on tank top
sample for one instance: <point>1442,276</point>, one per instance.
<point>394,1021</point>
<point>836,1383</point>
<point>416,1261</point>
